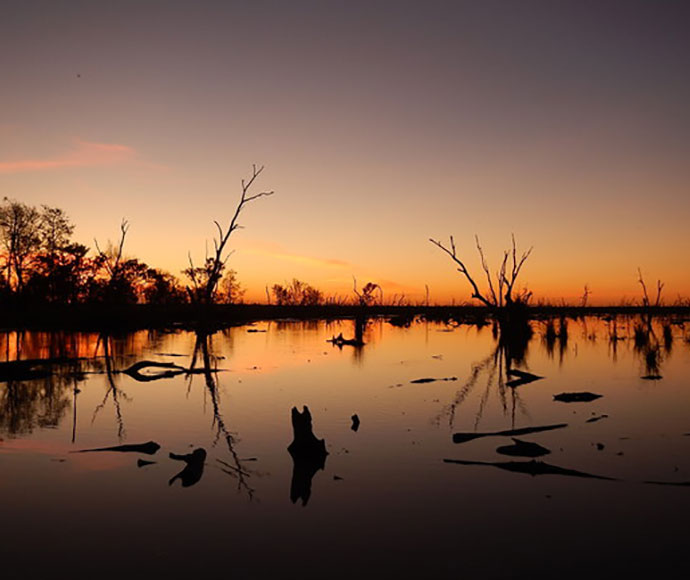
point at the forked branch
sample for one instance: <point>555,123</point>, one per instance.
<point>500,290</point>
<point>204,289</point>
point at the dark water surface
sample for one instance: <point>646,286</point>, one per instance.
<point>386,505</point>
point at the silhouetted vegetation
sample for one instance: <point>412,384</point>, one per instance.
<point>297,293</point>
<point>40,264</point>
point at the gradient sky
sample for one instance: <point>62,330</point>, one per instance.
<point>380,124</point>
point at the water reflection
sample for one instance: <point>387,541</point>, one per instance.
<point>204,355</point>
<point>497,371</point>
<point>194,394</point>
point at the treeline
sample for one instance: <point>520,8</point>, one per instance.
<point>40,263</point>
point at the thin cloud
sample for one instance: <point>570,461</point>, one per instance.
<point>83,154</point>
<point>308,260</point>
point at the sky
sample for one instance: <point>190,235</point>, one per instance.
<point>380,125</point>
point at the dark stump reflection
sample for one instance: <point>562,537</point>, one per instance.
<point>308,455</point>
<point>192,472</point>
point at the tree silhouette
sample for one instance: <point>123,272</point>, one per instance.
<point>501,284</point>
<point>205,279</point>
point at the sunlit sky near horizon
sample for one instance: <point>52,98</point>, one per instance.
<point>380,124</point>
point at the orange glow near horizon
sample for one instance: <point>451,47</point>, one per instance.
<point>564,128</point>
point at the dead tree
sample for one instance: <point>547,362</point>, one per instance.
<point>366,296</point>
<point>205,279</point>
<point>501,285</point>
<point>646,302</point>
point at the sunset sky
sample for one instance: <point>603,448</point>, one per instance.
<point>380,124</point>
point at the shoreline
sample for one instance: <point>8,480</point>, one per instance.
<point>185,316</point>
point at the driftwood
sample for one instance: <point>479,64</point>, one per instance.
<point>194,468</point>
<point>521,448</point>
<point>522,378</point>
<point>533,468</point>
<point>463,437</point>
<point>340,340</point>
<point>308,455</point>
<point>171,370</point>
<point>432,380</point>
<point>583,397</point>
<point>149,448</point>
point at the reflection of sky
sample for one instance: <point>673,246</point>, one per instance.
<point>379,127</point>
<point>396,506</point>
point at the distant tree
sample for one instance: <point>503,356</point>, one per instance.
<point>297,293</point>
<point>55,229</point>
<point>61,277</point>
<point>205,279</point>
<point>20,239</point>
<point>56,265</point>
<point>162,288</point>
<point>118,280</point>
<point>231,291</point>
<point>366,297</point>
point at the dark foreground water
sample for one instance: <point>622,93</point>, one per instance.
<point>397,498</point>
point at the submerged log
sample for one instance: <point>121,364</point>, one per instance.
<point>521,448</point>
<point>583,397</point>
<point>148,448</point>
<point>171,370</point>
<point>463,437</point>
<point>533,468</point>
<point>522,378</point>
<point>340,340</point>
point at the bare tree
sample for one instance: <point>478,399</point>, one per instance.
<point>205,280</point>
<point>501,284</point>
<point>645,297</point>
<point>366,296</point>
<point>585,296</point>
<point>112,256</point>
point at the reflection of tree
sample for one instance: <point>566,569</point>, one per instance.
<point>497,371</point>
<point>650,347</point>
<point>203,352</point>
<point>38,403</point>
<point>556,337</point>
<point>113,391</point>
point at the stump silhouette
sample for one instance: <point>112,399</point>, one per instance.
<point>194,468</point>
<point>308,455</point>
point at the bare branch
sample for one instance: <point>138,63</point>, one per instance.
<point>645,296</point>
<point>216,263</point>
<point>485,266</point>
<point>504,281</point>
<point>463,270</point>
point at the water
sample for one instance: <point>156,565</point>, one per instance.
<point>386,503</point>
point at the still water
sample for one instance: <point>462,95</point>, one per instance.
<point>397,497</point>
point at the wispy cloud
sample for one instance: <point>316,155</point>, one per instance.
<point>301,259</point>
<point>83,154</point>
